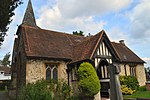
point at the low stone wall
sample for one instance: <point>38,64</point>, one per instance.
<point>148,86</point>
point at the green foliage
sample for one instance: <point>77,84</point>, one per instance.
<point>142,88</point>
<point>78,33</point>
<point>89,84</point>
<point>45,90</point>
<point>4,84</point>
<point>126,90</point>
<point>130,82</point>
<point>141,93</point>
<point>5,61</point>
<point>7,8</point>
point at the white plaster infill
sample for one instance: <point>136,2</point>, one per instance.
<point>5,77</point>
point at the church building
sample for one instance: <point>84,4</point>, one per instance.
<point>46,54</point>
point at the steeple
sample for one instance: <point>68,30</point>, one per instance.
<point>29,18</point>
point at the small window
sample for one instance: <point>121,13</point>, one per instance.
<point>133,71</point>
<point>51,72</point>
<point>74,74</point>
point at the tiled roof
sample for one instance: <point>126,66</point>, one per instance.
<point>85,49</point>
<point>125,54</point>
<point>42,43</point>
<point>7,70</point>
<point>49,44</point>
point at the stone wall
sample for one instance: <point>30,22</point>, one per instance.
<point>140,74</point>
<point>36,70</point>
<point>122,68</point>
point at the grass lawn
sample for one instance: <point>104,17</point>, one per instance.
<point>139,94</point>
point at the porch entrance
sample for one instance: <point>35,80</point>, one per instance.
<point>104,77</point>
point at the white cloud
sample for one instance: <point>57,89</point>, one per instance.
<point>146,58</point>
<point>116,34</point>
<point>140,20</point>
<point>74,15</point>
<point>53,19</point>
<point>76,8</point>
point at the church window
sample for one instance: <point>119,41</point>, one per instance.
<point>74,74</point>
<point>132,71</point>
<point>51,72</point>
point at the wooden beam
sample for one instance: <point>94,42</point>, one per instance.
<point>103,56</point>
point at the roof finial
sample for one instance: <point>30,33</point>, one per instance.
<point>29,18</point>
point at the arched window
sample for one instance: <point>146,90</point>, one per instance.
<point>51,72</point>
<point>55,74</point>
<point>48,73</point>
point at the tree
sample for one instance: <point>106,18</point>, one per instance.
<point>89,84</point>
<point>5,61</point>
<point>7,8</point>
<point>78,33</point>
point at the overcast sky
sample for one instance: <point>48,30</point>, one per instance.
<point>121,19</point>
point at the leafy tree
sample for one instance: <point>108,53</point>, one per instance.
<point>5,61</point>
<point>7,8</point>
<point>78,33</point>
<point>89,84</point>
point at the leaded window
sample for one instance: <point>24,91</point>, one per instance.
<point>51,72</point>
<point>133,71</point>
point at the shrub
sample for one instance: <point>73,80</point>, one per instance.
<point>126,90</point>
<point>129,84</point>
<point>45,90</point>
<point>4,84</point>
<point>89,84</point>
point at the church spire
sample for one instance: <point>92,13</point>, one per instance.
<point>29,18</point>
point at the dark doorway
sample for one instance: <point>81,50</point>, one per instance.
<point>102,72</point>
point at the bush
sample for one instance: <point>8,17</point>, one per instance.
<point>126,90</point>
<point>129,84</point>
<point>89,84</point>
<point>45,90</point>
<point>4,84</point>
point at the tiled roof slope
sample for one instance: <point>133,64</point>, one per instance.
<point>125,54</point>
<point>7,70</point>
<point>85,49</point>
<point>49,44</point>
<point>42,43</point>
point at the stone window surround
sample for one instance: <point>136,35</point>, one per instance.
<point>52,66</point>
<point>132,69</point>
